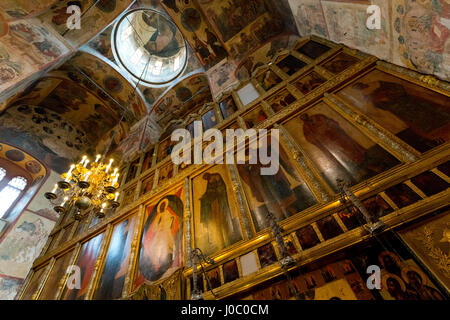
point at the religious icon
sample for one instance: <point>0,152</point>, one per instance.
<point>148,158</point>
<point>290,65</point>
<point>254,118</point>
<point>230,271</point>
<point>228,107</point>
<point>209,119</point>
<point>216,223</point>
<point>429,183</point>
<point>313,49</point>
<point>214,278</point>
<point>418,116</point>
<point>339,63</point>
<point>402,195</point>
<point>147,184</point>
<point>284,194</point>
<point>34,283</point>
<point>161,243</point>
<point>307,237</point>
<point>165,173</point>
<point>329,228</point>
<point>86,261</point>
<point>309,82</point>
<point>267,255</point>
<point>132,170</point>
<point>280,100</point>
<point>116,264</point>
<point>268,79</point>
<point>338,149</point>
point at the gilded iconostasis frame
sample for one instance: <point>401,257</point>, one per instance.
<point>321,89</point>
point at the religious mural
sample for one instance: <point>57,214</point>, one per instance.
<point>23,244</point>
<point>26,50</point>
<point>9,286</point>
<point>197,31</point>
<point>417,115</point>
<point>116,263</point>
<point>346,23</point>
<point>161,248</point>
<point>337,148</point>
<point>309,17</point>
<point>421,35</point>
<point>216,222</point>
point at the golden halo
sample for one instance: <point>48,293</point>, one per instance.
<point>386,276</point>
<point>392,255</point>
<point>407,268</point>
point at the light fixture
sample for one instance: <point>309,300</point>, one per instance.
<point>87,185</point>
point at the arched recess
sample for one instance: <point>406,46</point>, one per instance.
<point>188,95</point>
<point>14,159</point>
<point>84,93</point>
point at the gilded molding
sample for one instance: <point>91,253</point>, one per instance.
<point>237,188</point>
<point>382,136</point>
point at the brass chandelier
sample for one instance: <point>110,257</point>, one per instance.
<point>84,188</point>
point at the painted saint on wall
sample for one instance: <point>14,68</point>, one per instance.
<point>161,250</point>
<point>283,194</point>
<point>336,147</point>
<point>216,222</point>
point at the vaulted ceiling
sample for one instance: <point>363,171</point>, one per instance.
<point>75,75</point>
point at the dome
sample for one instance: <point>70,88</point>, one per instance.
<point>149,46</point>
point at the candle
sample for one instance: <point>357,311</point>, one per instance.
<point>86,177</point>
<point>85,164</point>
<point>98,157</point>
<point>117,196</point>
<point>82,160</point>
<point>115,180</point>
<point>109,165</point>
<point>55,188</point>
<point>103,206</point>
<point>69,173</point>
<point>64,202</point>
<point>115,171</point>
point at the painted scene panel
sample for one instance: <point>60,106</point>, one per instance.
<point>116,264</point>
<point>417,115</point>
<point>56,274</point>
<point>161,247</point>
<point>283,194</point>
<point>337,148</point>
<point>86,262</point>
<point>216,222</point>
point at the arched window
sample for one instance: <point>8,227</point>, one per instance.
<point>10,190</point>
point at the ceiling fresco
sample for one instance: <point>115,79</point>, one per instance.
<point>96,15</point>
<point>20,9</point>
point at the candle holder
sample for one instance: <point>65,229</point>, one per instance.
<point>60,209</point>
<point>63,185</point>
<point>50,196</point>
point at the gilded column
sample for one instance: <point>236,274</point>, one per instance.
<point>99,262</point>
<point>187,217</point>
<point>403,151</point>
<point>237,189</point>
<point>317,188</point>
<point>127,285</point>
